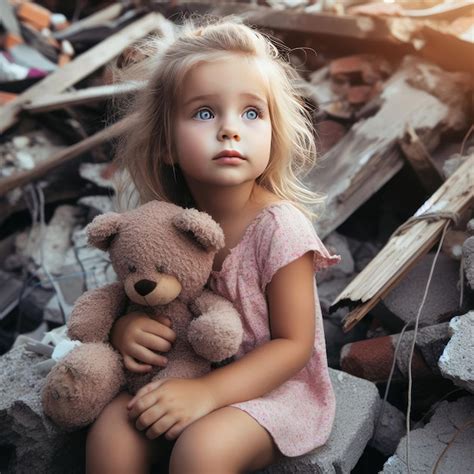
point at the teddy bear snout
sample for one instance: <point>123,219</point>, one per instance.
<point>144,287</point>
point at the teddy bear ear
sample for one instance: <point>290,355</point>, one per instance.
<point>202,227</point>
<point>103,229</point>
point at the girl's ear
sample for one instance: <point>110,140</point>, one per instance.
<point>103,229</point>
<point>202,227</point>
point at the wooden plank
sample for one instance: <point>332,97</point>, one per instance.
<point>24,177</point>
<point>420,160</point>
<point>82,66</point>
<point>350,27</point>
<point>106,14</point>
<point>404,249</point>
<point>368,155</point>
<point>80,97</point>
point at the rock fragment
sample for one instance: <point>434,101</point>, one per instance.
<point>428,443</point>
<point>457,360</point>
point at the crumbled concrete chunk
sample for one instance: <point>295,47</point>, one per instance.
<point>39,446</point>
<point>457,360</point>
<point>389,430</point>
<point>442,301</point>
<point>427,444</point>
<point>468,255</point>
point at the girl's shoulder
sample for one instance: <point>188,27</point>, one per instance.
<point>282,234</point>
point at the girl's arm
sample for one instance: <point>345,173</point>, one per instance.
<point>290,297</point>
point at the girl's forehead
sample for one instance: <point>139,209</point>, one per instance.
<point>236,74</point>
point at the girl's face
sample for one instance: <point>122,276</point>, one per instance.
<point>221,108</point>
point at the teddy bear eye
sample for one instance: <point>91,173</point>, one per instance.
<point>132,268</point>
<point>160,269</point>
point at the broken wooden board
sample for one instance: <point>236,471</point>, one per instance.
<point>24,177</point>
<point>349,27</point>
<point>404,249</point>
<point>420,160</point>
<point>80,97</point>
<point>83,65</point>
<point>368,155</point>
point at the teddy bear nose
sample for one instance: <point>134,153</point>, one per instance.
<point>143,287</point>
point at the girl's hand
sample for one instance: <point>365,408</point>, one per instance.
<point>170,405</point>
<point>137,337</point>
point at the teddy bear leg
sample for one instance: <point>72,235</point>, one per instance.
<point>80,385</point>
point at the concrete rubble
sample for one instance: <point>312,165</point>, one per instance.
<point>57,174</point>
<point>447,439</point>
<point>457,360</point>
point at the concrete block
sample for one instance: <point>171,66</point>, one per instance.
<point>428,443</point>
<point>39,446</point>
<point>443,296</point>
<point>457,360</point>
<point>358,402</point>
<point>389,429</point>
<point>468,255</point>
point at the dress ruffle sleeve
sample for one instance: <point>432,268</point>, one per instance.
<point>286,236</point>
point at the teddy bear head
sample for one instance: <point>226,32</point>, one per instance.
<point>159,251</point>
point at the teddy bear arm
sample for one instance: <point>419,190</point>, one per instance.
<point>216,334</point>
<point>95,312</point>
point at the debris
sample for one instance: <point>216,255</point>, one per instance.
<point>468,255</point>
<point>367,157</point>
<point>401,305</point>
<point>396,258</point>
<point>457,360</point>
<point>372,359</point>
<point>444,443</point>
<point>390,429</point>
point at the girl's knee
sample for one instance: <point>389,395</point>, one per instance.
<point>114,443</point>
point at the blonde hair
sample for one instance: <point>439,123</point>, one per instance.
<point>146,150</point>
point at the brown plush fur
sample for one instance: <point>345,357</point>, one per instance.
<point>163,257</point>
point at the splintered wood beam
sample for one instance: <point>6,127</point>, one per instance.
<point>82,66</point>
<point>404,249</point>
<point>368,155</point>
<point>80,97</point>
<point>67,154</point>
<point>420,160</point>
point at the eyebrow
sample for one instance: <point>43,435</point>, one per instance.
<point>211,96</point>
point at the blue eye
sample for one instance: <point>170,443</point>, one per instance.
<point>204,114</point>
<point>252,114</point>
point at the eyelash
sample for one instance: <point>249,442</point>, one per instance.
<point>259,111</point>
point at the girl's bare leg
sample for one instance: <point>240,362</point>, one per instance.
<point>115,446</point>
<point>227,441</point>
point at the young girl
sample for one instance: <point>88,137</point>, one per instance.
<point>219,127</point>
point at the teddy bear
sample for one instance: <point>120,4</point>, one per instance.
<point>162,255</point>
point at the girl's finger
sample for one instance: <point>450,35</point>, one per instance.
<point>153,342</point>
<point>146,356</point>
<point>175,431</point>
<point>145,390</point>
<point>163,320</point>
<point>150,416</point>
<point>160,330</point>
<point>160,427</point>
<point>134,366</point>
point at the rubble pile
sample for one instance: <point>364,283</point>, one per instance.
<point>390,91</point>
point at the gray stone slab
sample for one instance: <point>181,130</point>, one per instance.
<point>40,447</point>
<point>468,255</point>
<point>457,360</point>
<point>358,402</point>
<point>442,301</point>
<point>389,430</point>
<point>428,443</point>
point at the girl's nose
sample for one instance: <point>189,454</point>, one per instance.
<point>228,133</point>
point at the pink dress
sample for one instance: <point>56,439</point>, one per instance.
<point>299,413</point>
